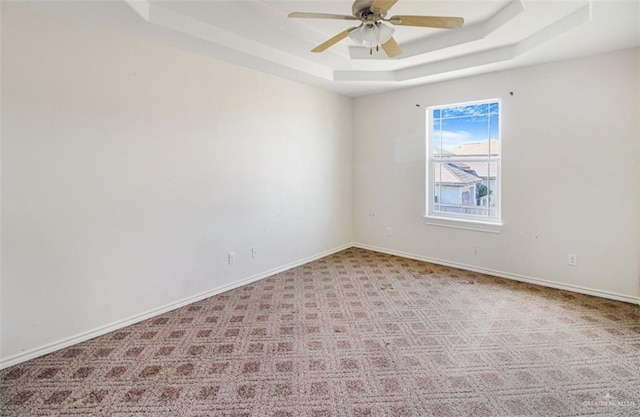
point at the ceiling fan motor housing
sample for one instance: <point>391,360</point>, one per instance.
<point>362,9</point>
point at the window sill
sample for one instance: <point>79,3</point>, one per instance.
<point>464,224</point>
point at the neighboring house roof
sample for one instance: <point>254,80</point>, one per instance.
<point>477,148</point>
<point>440,152</point>
<point>454,176</point>
<point>480,149</point>
<point>481,169</point>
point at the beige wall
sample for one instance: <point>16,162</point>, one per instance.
<point>131,169</point>
<point>570,140</point>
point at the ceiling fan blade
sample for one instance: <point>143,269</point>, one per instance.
<point>383,5</point>
<point>391,48</point>
<point>340,36</point>
<point>440,22</point>
<point>304,15</point>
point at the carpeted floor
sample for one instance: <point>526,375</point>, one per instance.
<point>355,334</point>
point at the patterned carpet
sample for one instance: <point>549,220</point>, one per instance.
<point>357,333</point>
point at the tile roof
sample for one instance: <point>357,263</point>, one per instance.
<point>450,174</point>
<point>482,168</point>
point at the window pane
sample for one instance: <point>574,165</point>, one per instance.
<point>436,181</point>
<point>491,182</point>
<point>458,189</point>
<point>466,131</point>
<point>494,135</point>
<point>486,188</point>
<point>436,138</point>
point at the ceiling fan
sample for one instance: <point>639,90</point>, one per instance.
<point>372,32</point>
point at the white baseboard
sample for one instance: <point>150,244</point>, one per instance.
<point>501,274</point>
<point>61,344</point>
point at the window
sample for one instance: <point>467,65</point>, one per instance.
<point>463,165</point>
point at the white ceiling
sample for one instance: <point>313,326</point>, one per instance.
<point>497,34</point>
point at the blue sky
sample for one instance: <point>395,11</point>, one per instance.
<point>454,126</point>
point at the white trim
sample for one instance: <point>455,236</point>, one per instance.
<point>61,344</point>
<point>431,160</point>
<point>464,224</point>
<point>141,7</point>
<point>508,275</point>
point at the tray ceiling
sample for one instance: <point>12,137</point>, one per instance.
<point>497,34</point>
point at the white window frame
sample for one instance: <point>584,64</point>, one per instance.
<point>461,220</point>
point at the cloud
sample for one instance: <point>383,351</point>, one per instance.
<point>465,111</point>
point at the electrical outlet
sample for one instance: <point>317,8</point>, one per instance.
<point>572,259</point>
<point>232,258</point>
<point>389,231</point>
<point>254,253</point>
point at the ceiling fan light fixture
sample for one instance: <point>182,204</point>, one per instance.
<point>384,33</point>
<point>365,33</point>
<point>372,34</point>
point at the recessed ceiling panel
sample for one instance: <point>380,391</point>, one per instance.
<point>496,34</point>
